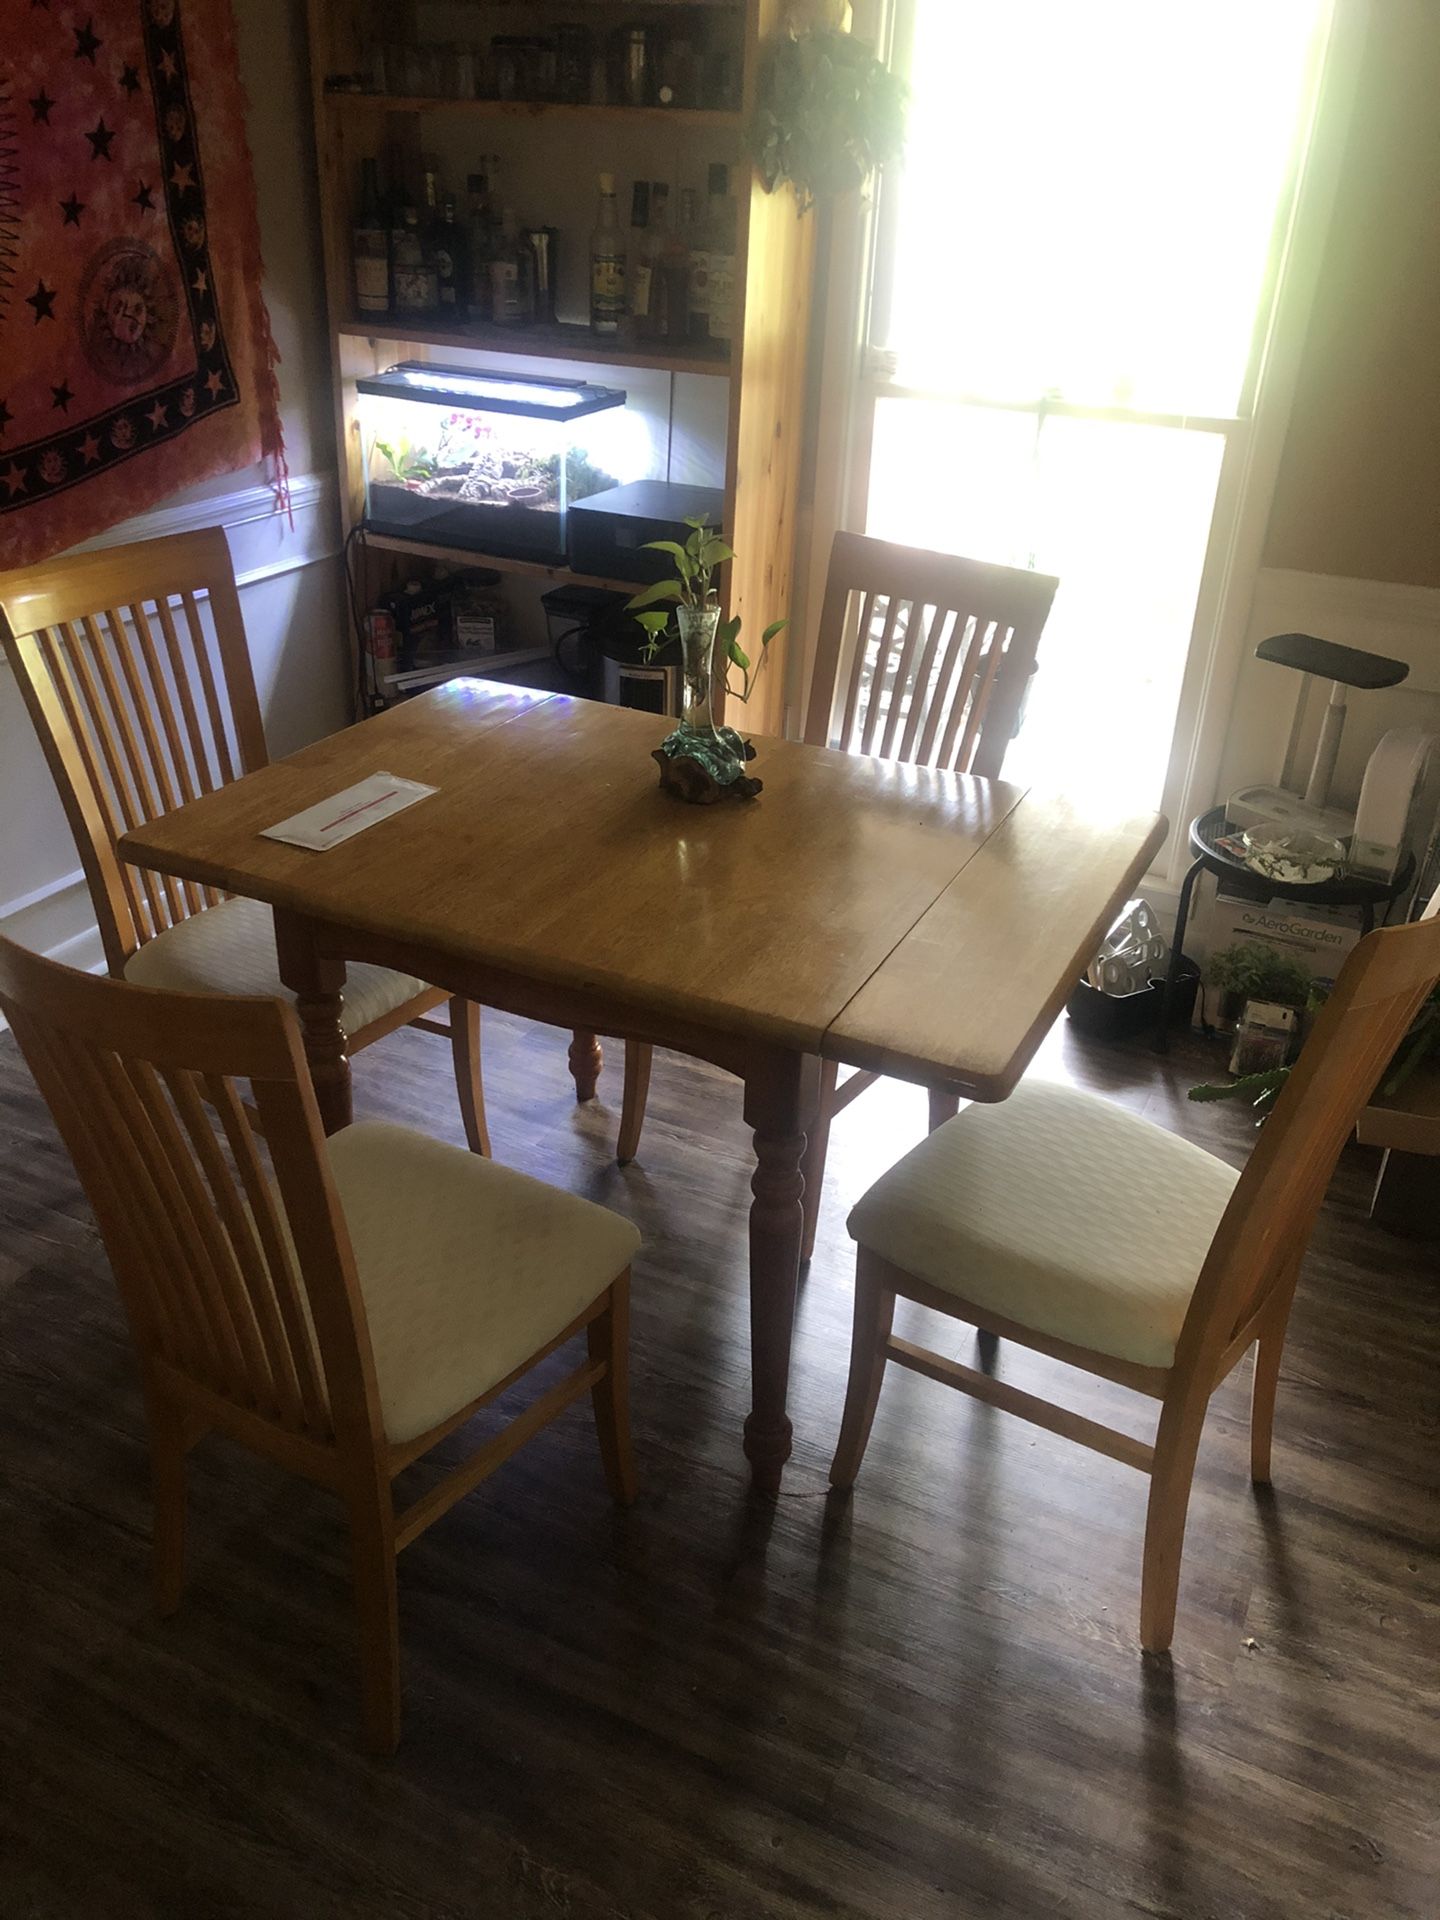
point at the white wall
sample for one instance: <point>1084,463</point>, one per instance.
<point>291,584</point>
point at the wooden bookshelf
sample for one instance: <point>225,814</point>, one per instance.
<point>767,361</point>
<point>562,341</point>
<point>683,120</point>
<point>500,562</point>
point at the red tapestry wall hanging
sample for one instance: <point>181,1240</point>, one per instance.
<point>135,351</point>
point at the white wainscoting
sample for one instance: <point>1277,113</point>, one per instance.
<point>293,600</point>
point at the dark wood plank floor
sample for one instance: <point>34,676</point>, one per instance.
<point>925,1702</point>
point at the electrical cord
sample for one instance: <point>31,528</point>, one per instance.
<point>359,701</point>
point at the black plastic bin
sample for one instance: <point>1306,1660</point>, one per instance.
<point>1125,1016</point>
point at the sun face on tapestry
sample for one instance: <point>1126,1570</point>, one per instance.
<point>127,238</point>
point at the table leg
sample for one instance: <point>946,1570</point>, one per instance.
<point>781,1098</point>
<point>1177,954</point>
<point>317,980</point>
<point>586,1060</point>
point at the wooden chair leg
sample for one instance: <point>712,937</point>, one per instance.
<point>1176,1444</point>
<point>874,1317</point>
<point>943,1106</point>
<point>372,1548</point>
<point>1268,1350</point>
<point>638,1060</point>
<point>168,1446</point>
<point>586,1060</point>
<point>817,1145</point>
<point>465,1051</point>
<point>608,1336</point>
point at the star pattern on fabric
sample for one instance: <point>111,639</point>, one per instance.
<point>201,282</point>
<point>214,384</point>
<point>90,449</point>
<point>144,198</point>
<point>157,416</point>
<point>72,209</point>
<point>14,478</point>
<point>100,138</point>
<point>62,396</point>
<point>167,65</point>
<point>43,301</point>
<point>87,41</point>
<point>40,107</point>
<point>130,79</point>
<point>182,178</point>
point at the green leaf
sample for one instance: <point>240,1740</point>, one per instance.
<point>683,560</point>
<point>655,623</point>
<point>738,654</point>
<point>715,553</point>
<point>775,626</point>
<point>648,596</point>
<point>700,526</point>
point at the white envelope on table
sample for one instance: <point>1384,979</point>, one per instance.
<point>343,815</point>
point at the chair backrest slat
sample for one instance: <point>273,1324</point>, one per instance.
<point>917,629</point>
<point>939,678</point>
<point>286,1325</point>
<point>131,730</point>
<point>1266,1225</point>
<point>237,1277</point>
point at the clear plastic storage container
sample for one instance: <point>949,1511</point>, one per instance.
<point>485,461</point>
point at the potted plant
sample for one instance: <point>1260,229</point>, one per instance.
<point>828,114</point>
<point>700,760</point>
<point>1249,970</point>
<point>1262,1090</point>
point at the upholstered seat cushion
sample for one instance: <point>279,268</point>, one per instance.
<point>1060,1211</point>
<point>467,1268</point>
<point>230,948</point>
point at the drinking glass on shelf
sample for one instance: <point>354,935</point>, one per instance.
<point>459,71</point>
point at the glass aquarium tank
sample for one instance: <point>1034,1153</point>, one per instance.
<point>486,461</point>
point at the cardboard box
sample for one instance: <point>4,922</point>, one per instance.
<point>1318,938</point>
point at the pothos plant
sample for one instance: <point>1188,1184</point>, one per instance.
<point>829,113</point>
<point>693,588</point>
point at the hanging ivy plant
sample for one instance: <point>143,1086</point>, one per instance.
<point>829,113</point>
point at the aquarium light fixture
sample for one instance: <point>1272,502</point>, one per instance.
<point>474,388</point>
<point>429,383</point>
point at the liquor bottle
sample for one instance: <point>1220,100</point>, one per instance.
<point>675,268</point>
<point>512,286</point>
<point>484,237</point>
<point>607,264</point>
<point>417,287</point>
<point>452,267</point>
<point>639,267</point>
<point>370,245</point>
<point>712,263</point>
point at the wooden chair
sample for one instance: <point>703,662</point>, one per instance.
<point>1073,1227</point>
<point>343,1314</point>
<point>921,657</point>
<point>120,681</point>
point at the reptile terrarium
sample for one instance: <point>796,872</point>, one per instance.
<point>486,461</point>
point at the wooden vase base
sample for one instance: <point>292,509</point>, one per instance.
<point>690,779</point>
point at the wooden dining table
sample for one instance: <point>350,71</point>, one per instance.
<point>924,924</point>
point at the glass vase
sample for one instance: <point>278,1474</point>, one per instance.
<point>697,654</point>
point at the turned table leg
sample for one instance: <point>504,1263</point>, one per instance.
<point>586,1060</point>
<point>317,980</point>
<point>781,1098</point>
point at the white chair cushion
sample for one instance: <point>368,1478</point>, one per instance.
<point>466,1268</point>
<point>1060,1211</point>
<point>230,948</point>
